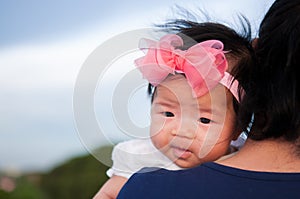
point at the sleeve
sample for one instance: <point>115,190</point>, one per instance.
<point>127,159</point>
<point>120,167</point>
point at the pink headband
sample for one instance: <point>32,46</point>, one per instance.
<point>203,64</point>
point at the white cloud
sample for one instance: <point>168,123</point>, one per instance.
<point>43,65</point>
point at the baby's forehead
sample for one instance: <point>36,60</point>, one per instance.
<point>177,91</point>
<point>174,77</point>
<point>175,84</point>
<point>179,83</point>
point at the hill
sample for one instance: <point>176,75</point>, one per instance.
<point>80,178</point>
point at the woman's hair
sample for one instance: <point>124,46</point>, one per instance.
<point>272,84</point>
<point>237,45</point>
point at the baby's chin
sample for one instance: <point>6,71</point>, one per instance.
<point>186,163</point>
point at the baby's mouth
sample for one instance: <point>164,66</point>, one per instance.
<point>181,153</point>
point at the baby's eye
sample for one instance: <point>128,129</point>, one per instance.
<point>168,114</point>
<point>204,120</point>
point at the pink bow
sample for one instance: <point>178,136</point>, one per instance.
<point>203,64</point>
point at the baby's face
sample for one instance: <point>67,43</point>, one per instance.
<point>189,130</point>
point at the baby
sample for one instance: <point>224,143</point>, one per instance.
<point>194,101</point>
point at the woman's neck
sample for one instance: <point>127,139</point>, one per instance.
<point>274,155</point>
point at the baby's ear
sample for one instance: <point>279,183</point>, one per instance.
<point>254,43</point>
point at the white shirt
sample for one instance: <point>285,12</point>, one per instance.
<point>130,156</point>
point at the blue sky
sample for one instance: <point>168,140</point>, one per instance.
<point>35,20</point>
<point>43,45</point>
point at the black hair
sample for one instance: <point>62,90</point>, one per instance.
<point>237,45</point>
<point>272,85</point>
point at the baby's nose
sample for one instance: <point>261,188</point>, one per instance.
<point>186,128</point>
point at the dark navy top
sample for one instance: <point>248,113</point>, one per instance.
<point>211,181</point>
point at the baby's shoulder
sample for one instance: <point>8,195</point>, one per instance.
<point>135,145</point>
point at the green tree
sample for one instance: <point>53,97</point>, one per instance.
<point>79,178</point>
<point>26,190</point>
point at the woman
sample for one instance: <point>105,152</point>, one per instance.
<point>269,163</point>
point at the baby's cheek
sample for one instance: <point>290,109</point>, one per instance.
<point>160,140</point>
<point>159,134</point>
<point>157,125</point>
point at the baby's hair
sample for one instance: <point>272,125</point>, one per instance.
<point>273,94</point>
<point>237,45</point>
